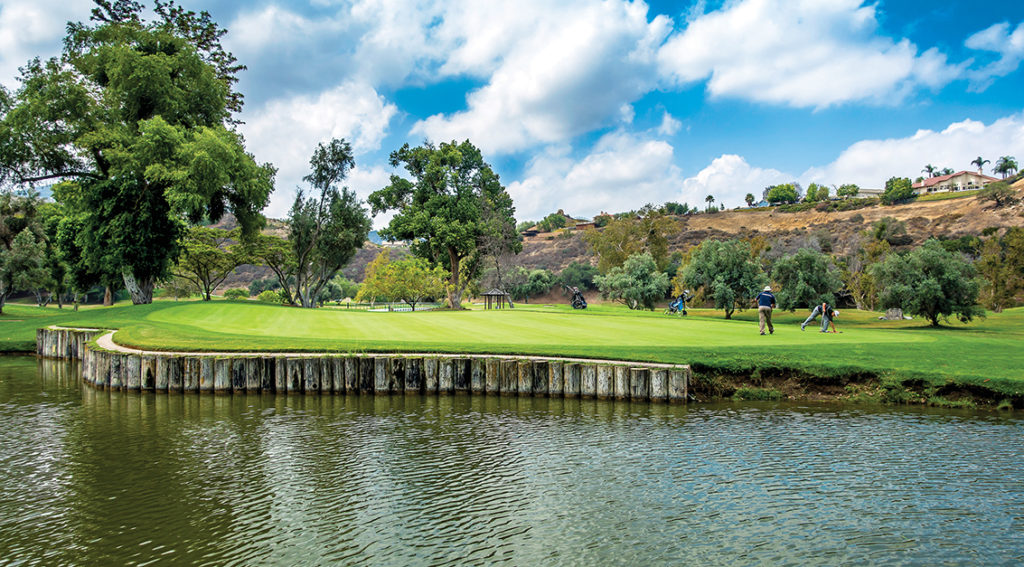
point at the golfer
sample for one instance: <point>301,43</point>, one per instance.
<point>765,303</point>
<point>828,318</point>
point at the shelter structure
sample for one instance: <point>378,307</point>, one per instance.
<point>496,299</point>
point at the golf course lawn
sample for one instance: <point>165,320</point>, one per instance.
<point>986,352</point>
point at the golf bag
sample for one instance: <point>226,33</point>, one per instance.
<point>578,301</point>
<point>678,305</point>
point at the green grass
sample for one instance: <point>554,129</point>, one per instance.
<point>947,195</point>
<point>985,353</point>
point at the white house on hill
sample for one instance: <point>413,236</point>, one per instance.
<point>959,181</point>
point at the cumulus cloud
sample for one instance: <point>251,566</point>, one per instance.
<point>622,172</point>
<point>998,39</point>
<point>31,28</point>
<point>806,53</point>
<point>570,71</point>
<point>728,179</point>
<point>869,163</point>
<point>285,132</point>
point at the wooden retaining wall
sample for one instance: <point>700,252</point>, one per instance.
<point>362,374</point>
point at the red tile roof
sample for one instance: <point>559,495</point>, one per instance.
<point>931,181</point>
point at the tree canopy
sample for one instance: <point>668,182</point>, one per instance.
<point>806,278</point>
<point>929,281</point>
<point>452,201</point>
<point>137,114</point>
<point>785,193</point>
<point>897,190</point>
<point>638,283</point>
<point>726,271</point>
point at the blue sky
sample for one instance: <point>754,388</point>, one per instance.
<point>595,106</point>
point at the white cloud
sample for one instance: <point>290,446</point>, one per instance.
<point>869,163</point>
<point>31,28</point>
<point>805,53</point>
<point>570,71</point>
<point>669,126</point>
<point>998,39</point>
<point>285,132</point>
<point>622,172</point>
<point>728,179</point>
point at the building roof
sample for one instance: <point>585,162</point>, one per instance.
<point>495,292</point>
<point>933,181</point>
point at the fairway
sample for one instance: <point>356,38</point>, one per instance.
<point>985,352</point>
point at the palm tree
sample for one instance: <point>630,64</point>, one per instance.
<point>749,199</point>
<point>930,170</point>
<point>1006,165</point>
<point>980,163</point>
<point>946,171</point>
<point>710,200</point>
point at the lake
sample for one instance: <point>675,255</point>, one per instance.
<point>91,477</point>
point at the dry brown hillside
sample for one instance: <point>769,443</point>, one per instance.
<point>835,230</point>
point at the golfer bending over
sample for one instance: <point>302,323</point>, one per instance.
<point>765,303</point>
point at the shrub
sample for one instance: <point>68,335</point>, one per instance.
<point>236,294</point>
<point>269,296</point>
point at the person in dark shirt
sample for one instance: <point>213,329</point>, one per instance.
<point>765,304</point>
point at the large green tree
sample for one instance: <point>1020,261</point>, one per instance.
<point>1002,266</point>
<point>208,256</point>
<point>897,190</point>
<point>451,202</point>
<point>805,279</point>
<point>22,245</point>
<point>326,229</point>
<point>638,282</point>
<point>929,281</point>
<point>727,273</point>
<point>785,193</point>
<point>138,115</point>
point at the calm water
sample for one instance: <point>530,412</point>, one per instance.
<point>98,478</point>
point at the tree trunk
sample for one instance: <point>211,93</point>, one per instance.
<point>455,287</point>
<point>108,296</point>
<point>3,301</point>
<point>140,290</point>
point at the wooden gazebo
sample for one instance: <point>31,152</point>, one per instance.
<point>496,299</point>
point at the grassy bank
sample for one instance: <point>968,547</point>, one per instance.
<point>869,358</point>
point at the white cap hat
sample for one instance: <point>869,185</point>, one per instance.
<point>836,312</point>
<point>767,288</point>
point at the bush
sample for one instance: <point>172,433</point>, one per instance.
<point>269,296</point>
<point>236,294</point>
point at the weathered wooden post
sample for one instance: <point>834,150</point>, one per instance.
<point>445,376</point>
<point>620,378</point>
<point>162,373</point>
<point>133,372</point>
<point>380,375</point>
<point>116,380</point>
<point>430,371</point>
<point>540,378</point>
<point>588,384</point>
<point>252,375</point>
<point>659,384</point>
<point>509,378</point>
<point>524,383</point>
<point>677,384</point>
<point>492,376</point>
<point>605,382</point>
<point>206,374</point>
<point>191,369</point>
<point>477,375</point>
<point>281,375</point>
<point>351,375</point>
<point>461,374</point>
<point>311,375</point>
<point>556,380</point>
<point>573,380</point>
<point>237,375</point>
<point>175,374</point>
<point>268,371</point>
<point>221,375</point>
<point>295,385</point>
<point>639,383</point>
<point>367,368</point>
<point>396,374</point>
<point>338,374</point>
<point>413,375</point>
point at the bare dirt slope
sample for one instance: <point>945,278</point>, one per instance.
<point>835,232</point>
